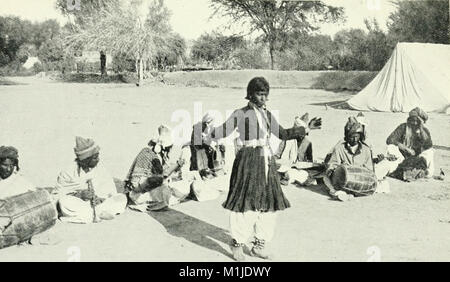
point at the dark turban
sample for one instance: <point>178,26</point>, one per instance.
<point>418,112</point>
<point>353,126</point>
<point>8,152</point>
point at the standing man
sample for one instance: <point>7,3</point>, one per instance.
<point>255,195</point>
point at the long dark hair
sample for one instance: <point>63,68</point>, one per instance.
<point>258,83</point>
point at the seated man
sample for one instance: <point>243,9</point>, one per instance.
<point>11,183</point>
<point>352,151</point>
<point>208,160</point>
<point>292,152</point>
<point>159,176</point>
<point>87,192</point>
<point>411,143</point>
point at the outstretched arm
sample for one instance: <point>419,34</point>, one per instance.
<point>294,132</point>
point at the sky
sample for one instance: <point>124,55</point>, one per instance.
<point>191,18</point>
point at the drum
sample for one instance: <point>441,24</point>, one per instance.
<point>27,215</point>
<point>354,180</point>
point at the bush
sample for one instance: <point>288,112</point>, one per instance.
<point>123,62</point>
<point>37,67</point>
<point>97,78</point>
<point>340,81</point>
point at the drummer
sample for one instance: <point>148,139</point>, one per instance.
<point>11,182</point>
<point>351,151</point>
<point>292,152</point>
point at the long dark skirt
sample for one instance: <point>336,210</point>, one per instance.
<point>250,190</point>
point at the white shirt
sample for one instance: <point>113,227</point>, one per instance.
<point>75,179</point>
<point>14,185</point>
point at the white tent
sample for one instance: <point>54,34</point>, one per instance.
<point>416,75</point>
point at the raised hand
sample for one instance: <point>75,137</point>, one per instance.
<point>315,123</point>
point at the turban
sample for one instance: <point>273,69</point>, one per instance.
<point>85,148</point>
<point>418,112</point>
<point>207,118</point>
<point>353,126</point>
<point>301,121</point>
<point>9,153</point>
<point>361,118</point>
<point>164,137</point>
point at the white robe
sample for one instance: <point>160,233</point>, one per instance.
<point>76,210</point>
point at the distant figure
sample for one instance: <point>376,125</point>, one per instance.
<point>86,189</point>
<point>103,63</point>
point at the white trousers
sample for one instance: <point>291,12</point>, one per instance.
<point>252,223</point>
<point>385,167</point>
<point>76,210</point>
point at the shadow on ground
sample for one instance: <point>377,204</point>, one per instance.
<point>194,230</point>
<point>438,147</point>
<point>340,105</point>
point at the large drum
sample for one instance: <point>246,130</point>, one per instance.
<point>354,180</point>
<point>25,215</point>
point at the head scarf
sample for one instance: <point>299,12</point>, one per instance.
<point>85,148</point>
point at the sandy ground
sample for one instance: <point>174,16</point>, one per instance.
<point>41,118</point>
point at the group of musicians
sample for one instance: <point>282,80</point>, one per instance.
<point>164,174</point>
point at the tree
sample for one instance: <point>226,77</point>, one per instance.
<point>122,30</point>
<point>216,48</point>
<point>174,54</point>
<point>14,32</point>
<point>91,11</point>
<point>276,19</point>
<point>420,21</point>
<point>306,52</point>
<point>45,31</point>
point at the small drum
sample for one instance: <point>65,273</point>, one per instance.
<point>28,214</point>
<point>354,180</point>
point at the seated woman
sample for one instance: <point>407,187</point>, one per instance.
<point>86,191</point>
<point>291,152</point>
<point>411,143</point>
